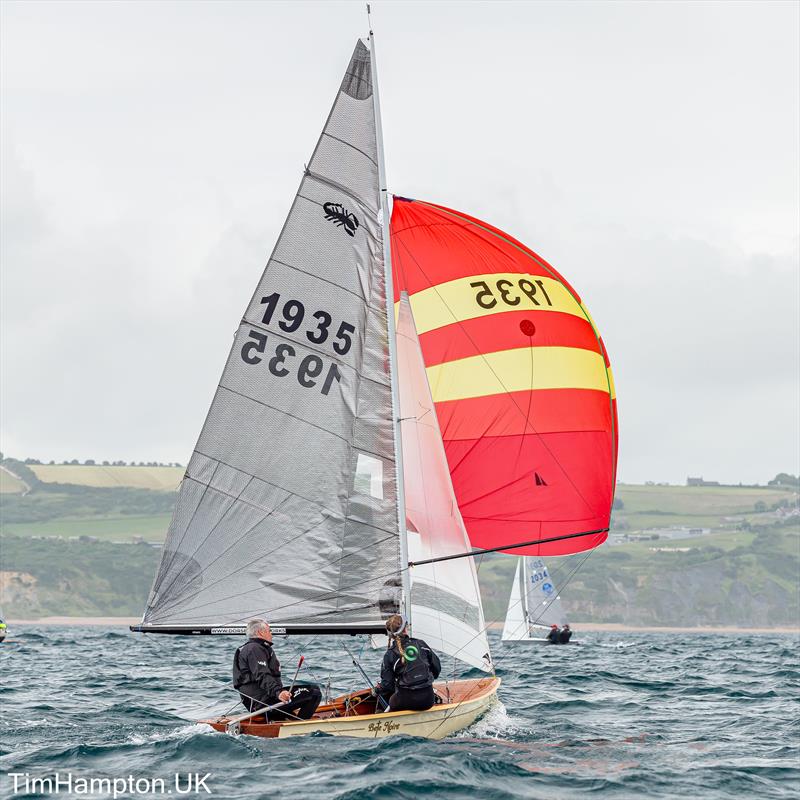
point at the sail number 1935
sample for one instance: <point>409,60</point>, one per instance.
<point>511,292</point>
<point>282,358</point>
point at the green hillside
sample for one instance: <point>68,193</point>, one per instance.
<point>71,548</point>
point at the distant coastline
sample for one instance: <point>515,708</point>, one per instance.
<point>587,627</point>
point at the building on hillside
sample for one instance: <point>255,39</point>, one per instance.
<point>700,482</point>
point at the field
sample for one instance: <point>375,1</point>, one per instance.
<point>9,484</point>
<point>150,527</point>
<point>693,506</point>
<point>696,500</point>
<point>156,478</point>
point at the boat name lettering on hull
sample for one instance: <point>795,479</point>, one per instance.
<point>386,726</point>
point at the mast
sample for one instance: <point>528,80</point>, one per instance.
<point>390,324</point>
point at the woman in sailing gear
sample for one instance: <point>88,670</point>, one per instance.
<point>408,671</point>
<point>257,676</point>
<point>554,637</point>
<point>564,636</point>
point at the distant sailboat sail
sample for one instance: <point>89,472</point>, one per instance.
<point>533,601</point>
<point>520,379</point>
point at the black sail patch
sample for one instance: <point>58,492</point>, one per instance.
<point>341,217</point>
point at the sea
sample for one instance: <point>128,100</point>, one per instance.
<point>628,715</point>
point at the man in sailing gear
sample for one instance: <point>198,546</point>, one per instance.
<point>564,636</point>
<point>554,637</point>
<point>257,676</point>
<point>408,671</point>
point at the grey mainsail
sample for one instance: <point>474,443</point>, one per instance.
<point>288,509</point>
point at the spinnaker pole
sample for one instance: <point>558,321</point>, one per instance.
<point>390,323</point>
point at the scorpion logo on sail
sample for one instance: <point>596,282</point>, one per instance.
<point>341,217</point>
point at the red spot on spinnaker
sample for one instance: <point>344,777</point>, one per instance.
<point>527,327</point>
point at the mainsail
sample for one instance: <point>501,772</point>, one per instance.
<point>520,379</point>
<point>288,508</point>
<point>533,601</point>
<point>445,599</point>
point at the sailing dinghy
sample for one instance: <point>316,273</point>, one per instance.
<point>296,506</point>
<point>533,604</point>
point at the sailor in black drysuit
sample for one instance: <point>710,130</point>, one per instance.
<point>554,637</point>
<point>408,671</point>
<point>257,676</point>
<point>564,636</point>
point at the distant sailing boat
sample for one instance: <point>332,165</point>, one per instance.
<point>533,603</point>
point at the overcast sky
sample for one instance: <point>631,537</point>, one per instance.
<point>649,151</point>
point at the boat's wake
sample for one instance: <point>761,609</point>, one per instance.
<point>184,732</point>
<point>494,724</point>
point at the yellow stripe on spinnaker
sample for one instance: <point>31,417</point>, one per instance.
<point>510,371</point>
<point>454,301</point>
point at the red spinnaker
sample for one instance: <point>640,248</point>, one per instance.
<point>519,376</point>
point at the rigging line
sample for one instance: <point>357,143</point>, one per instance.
<point>319,277</point>
<point>363,204</point>
<point>463,329</point>
<point>224,686</point>
<point>323,596</point>
<point>565,584</point>
<point>486,628</point>
<point>329,512</point>
<point>465,222</point>
<point>299,419</point>
<point>214,527</point>
<point>507,547</point>
<point>530,400</point>
<point>353,420</point>
<point>186,530</point>
<point>171,603</point>
<point>357,149</point>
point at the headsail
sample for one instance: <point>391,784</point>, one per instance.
<point>520,379</point>
<point>516,624</point>
<point>534,600</point>
<point>288,507</point>
<point>445,599</point>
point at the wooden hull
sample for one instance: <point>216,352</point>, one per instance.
<point>353,715</point>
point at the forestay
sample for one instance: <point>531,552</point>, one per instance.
<point>288,506</point>
<point>446,607</point>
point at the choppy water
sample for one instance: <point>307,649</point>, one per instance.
<point>624,715</point>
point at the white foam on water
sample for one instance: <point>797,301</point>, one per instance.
<point>494,724</point>
<point>184,732</point>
